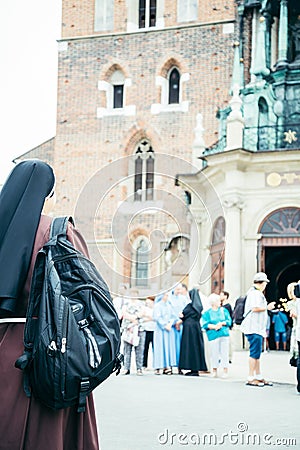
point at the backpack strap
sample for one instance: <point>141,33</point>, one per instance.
<point>59,226</point>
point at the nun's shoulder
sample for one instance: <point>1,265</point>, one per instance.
<point>43,230</point>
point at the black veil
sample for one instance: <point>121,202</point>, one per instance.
<point>21,202</point>
<point>196,300</point>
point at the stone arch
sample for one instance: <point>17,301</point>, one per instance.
<point>258,215</point>
<point>168,65</point>
<point>112,66</point>
<point>278,249</point>
<point>138,132</point>
<point>284,221</point>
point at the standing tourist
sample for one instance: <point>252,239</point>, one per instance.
<point>280,320</point>
<point>254,326</point>
<point>120,301</point>
<point>148,325</point>
<point>224,297</point>
<point>216,322</point>
<point>295,290</point>
<point>25,200</point>
<point>133,334</point>
<point>292,308</point>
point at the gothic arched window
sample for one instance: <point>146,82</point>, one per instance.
<point>142,263</point>
<point>117,81</point>
<point>144,172</point>
<point>174,85</point>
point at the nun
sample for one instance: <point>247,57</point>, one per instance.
<point>178,302</point>
<point>25,423</point>
<point>164,352</point>
<point>192,346</point>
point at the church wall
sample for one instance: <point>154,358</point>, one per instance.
<point>78,16</point>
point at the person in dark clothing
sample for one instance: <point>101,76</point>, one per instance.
<point>192,346</point>
<point>25,423</point>
<point>224,296</point>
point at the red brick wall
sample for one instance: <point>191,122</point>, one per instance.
<point>85,144</point>
<point>78,15</point>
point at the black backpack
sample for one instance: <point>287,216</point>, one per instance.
<point>239,309</point>
<point>72,331</point>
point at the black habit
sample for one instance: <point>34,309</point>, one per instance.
<point>192,345</point>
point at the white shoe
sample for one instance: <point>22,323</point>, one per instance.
<point>213,375</point>
<point>225,375</point>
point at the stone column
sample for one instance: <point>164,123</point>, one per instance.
<point>268,21</point>
<point>233,245</point>
<point>250,266</point>
<point>253,44</point>
<point>199,249</point>
<point>198,144</point>
<point>233,259</point>
<point>235,122</point>
<point>258,66</point>
<point>283,35</point>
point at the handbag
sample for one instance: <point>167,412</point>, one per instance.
<point>131,336</point>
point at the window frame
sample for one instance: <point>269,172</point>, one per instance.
<point>105,7</point>
<point>143,177</point>
<point>175,93</point>
<point>146,11</point>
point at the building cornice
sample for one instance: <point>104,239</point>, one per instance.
<point>241,160</point>
<point>147,31</point>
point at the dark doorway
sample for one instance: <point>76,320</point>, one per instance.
<point>282,265</point>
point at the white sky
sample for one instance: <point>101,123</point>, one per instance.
<point>28,75</point>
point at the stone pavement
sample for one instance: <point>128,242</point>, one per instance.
<point>274,365</point>
<point>174,412</point>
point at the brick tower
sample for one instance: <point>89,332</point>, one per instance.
<point>137,79</point>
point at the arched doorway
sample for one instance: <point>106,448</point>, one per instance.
<point>279,252</point>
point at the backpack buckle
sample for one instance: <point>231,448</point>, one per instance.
<point>84,384</point>
<point>83,323</point>
<point>84,387</point>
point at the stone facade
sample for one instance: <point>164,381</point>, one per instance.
<point>254,167</point>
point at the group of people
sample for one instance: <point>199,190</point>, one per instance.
<point>190,333</point>
<point>173,323</point>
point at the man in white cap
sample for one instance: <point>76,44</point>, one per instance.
<point>254,326</point>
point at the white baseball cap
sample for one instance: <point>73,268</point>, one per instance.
<point>259,277</point>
